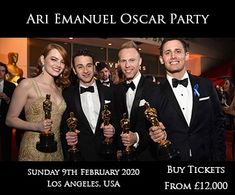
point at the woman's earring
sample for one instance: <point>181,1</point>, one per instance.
<point>61,75</point>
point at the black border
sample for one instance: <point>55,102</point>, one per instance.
<point>14,176</point>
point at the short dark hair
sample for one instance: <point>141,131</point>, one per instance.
<point>5,66</point>
<point>83,52</point>
<point>101,65</point>
<point>165,40</point>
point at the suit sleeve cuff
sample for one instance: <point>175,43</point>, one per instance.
<point>137,141</point>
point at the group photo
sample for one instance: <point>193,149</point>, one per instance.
<point>117,99</point>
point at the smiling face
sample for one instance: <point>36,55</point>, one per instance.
<point>54,63</point>
<point>84,69</point>
<point>174,57</point>
<point>130,61</point>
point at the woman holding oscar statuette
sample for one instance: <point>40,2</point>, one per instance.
<point>30,95</point>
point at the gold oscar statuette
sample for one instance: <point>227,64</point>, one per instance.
<point>107,149</point>
<point>167,151</point>
<point>128,151</point>
<point>73,151</point>
<point>47,142</point>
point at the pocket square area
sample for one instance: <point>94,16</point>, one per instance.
<point>204,98</point>
<point>142,102</point>
<point>107,101</point>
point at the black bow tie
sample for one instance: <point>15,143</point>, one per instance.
<point>106,83</point>
<point>88,89</point>
<point>130,85</point>
<point>176,82</point>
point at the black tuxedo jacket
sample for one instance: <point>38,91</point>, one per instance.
<point>8,89</point>
<point>205,134</point>
<point>143,150</point>
<point>5,131</point>
<point>88,142</point>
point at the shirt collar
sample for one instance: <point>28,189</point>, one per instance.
<point>93,84</point>
<point>104,80</point>
<point>136,79</point>
<point>169,78</point>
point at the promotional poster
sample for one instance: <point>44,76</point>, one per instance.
<point>206,157</point>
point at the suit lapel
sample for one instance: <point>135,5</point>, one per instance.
<point>101,95</point>
<point>80,113</point>
<point>123,97</point>
<point>169,94</point>
<point>102,99</point>
<point>138,95</point>
<point>194,81</point>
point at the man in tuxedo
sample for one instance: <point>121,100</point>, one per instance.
<point>6,90</point>
<point>86,100</point>
<point>104,73</point>
<point>189,107</point>
<point>131,96</point>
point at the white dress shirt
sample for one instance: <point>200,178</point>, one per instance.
<point>104,82</point>
<point>90,103</point>
<point>130,96</point>
<point>184,96</point>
